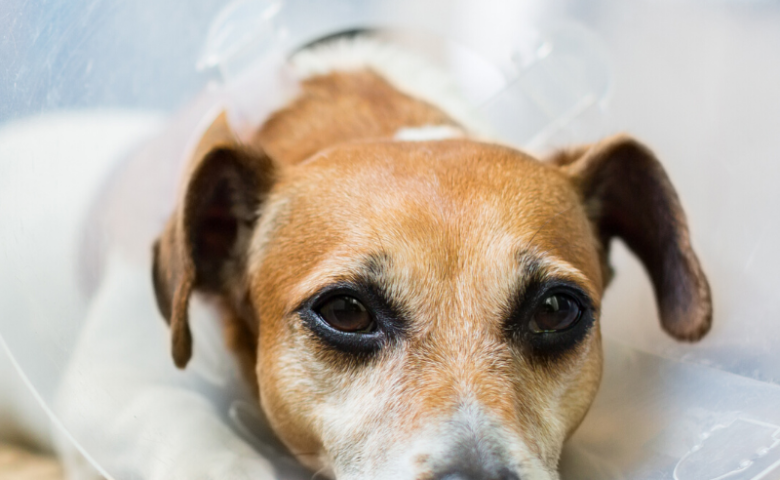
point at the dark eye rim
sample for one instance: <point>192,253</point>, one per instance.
<point>550,343</point>
<point>386,320</point>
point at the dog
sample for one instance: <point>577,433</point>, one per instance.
<point>404,297</point>
<point>422,309</point>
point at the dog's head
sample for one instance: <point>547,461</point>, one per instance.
<point>423,310</point>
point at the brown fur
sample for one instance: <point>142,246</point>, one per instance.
<point>452,230</point>
<point>315,119</point>
<point>435,255</point>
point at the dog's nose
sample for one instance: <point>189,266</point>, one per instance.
<point>474,475</point>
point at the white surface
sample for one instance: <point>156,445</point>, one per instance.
<point>659,419</point>
<point>22,420</point>
<point>698,82</point>
<point>51,168</point>
<point>132,410</point>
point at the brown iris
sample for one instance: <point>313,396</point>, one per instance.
<point>347,314</point>
<point>556,311</point>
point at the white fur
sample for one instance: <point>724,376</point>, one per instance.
<point>428,132</point>
<point>121,400</point>
<point>437,441</point>
<point>137,415</point>
<point>47,182</point>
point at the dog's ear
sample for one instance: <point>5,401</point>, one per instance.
<point>627,194</point>
<point>204,242</point>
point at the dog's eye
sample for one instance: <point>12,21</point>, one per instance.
<point>347,314</point>
<point>557,311</point>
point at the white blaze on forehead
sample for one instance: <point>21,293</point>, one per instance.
<point>428,132</point>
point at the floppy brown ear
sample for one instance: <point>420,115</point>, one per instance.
<point>204,242</point>
<point>627,194</point>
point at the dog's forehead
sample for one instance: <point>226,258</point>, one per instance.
<point>426,211</point>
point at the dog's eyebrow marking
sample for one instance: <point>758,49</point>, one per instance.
<point>340,268</point>
<point>377,263</point>
<point>533,265</point>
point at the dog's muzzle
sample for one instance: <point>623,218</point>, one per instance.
<point>477,457</point>
<point>474,474</point>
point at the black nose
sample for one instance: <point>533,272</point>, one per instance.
<point>478,474</point>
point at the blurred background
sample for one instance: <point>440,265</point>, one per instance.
<point>697,80</point>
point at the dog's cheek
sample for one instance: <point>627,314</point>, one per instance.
<point>369,427</point>
<point>580,378</point>
<point>287,398</point>
<point>553,396</point>
<point>319,404</point>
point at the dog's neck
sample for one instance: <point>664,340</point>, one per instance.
<point>342,107</point>
<point>359,89</point>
